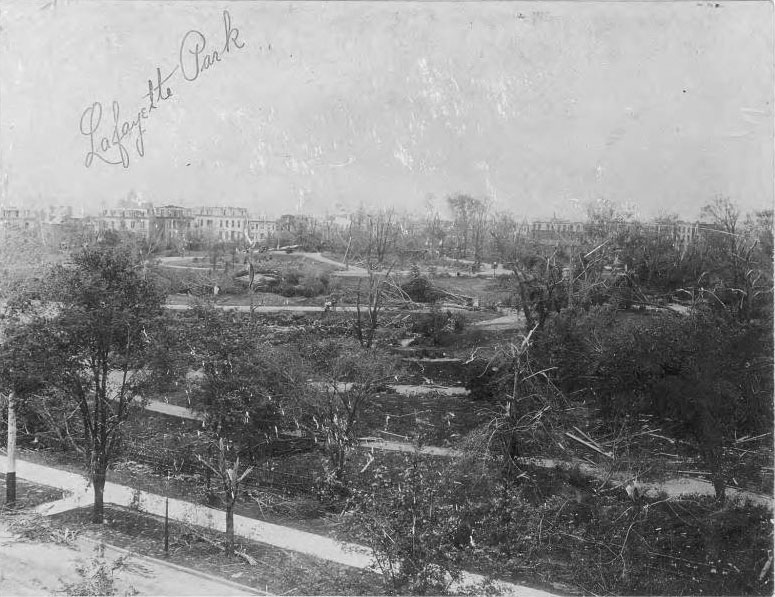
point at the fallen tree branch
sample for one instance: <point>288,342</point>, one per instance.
<point>589,445</point>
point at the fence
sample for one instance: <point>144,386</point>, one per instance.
<point>184,459</point>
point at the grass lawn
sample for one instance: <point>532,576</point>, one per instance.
<point>29,495</point>
<point>277,571</point>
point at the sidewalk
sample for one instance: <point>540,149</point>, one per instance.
<point>34,568</point>
<point>349,554</point>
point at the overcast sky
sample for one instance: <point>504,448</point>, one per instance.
<point>539,106</point>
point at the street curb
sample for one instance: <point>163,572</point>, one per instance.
<point>178,567</point>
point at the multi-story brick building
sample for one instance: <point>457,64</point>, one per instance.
<point>221,223</point>
<point>137,220</point>
<point>171,222</point>
<point>551,231</point>
<point>261,228</point>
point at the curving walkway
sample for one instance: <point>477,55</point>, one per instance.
<point>674,487</point>
<point>349,554</point>
<point>263,308</point>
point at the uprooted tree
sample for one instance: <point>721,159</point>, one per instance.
<point>85,335</point>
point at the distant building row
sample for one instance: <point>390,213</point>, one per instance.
<point>30,219</point>
<point>681,234</point>
<point>233,224</point>
<point>167,222</point>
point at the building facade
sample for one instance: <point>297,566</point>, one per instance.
<point>171,223</point>
<point>261,228</point>
<point>222,223</point>
<point>127,219</point>
<point>19,218</point>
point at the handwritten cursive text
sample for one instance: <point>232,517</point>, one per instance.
<point>111,148</point>
<point>194,56</point>
<point>112,143</point>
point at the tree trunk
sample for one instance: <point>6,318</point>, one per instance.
<point>10,472</point>
<point>229,528</point>
<point>714,459</point>
<point>339,462</point>
<point>712,452</point>
<point>208,478</point>
<point>98,480</point>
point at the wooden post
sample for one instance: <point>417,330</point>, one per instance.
<point>166,526</point>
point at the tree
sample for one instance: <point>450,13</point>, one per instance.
<point>540,282</point>
<point>721,213</point>
<point>382,235</point>
<point>410,520</point>
<point>242,392</point>
<point>435,231</point>
<point>738,262</point>
<point>347,378</point>
<point>24,258</point>
<point>226,465</point>
<point>470,221</point>
<point>605,217</point>
<point>651,365</point>
<point>366,323</point>
<point>88,337</point>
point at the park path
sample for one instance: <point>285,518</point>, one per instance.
<point>348,554</point>
<point>405,389</point>
<point>673,487</point>
<point>512,321</point>
<point>262,308</point>
<point>346,270</point>
<point>159,406</point>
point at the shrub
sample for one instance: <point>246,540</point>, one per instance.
<point>420,290</point>
<point>291,277</point>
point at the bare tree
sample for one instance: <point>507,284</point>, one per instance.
<point>367,321</point>
<point>226,466</point>
<point>721,213</point>
<point>382,234</point>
